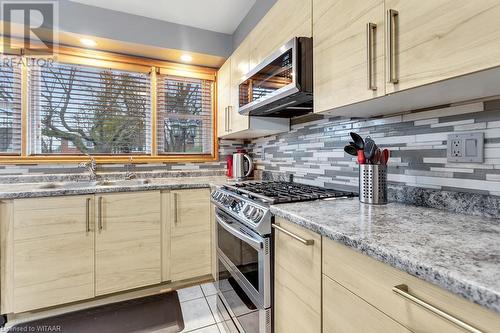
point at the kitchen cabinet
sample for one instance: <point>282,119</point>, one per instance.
<point>240,66</point>
<point>377,283</point>
<point>47,252</point>
<point>285,20</point>
<point>348,52</point>
<point>223,98</point>
<point>190,234</point>
<point>344,312</point>
<point>128,241</point>
<point>441,39</point>
<point>297,279</point>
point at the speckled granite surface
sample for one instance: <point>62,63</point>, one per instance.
<point>33,190</point>
<point>456,252</point>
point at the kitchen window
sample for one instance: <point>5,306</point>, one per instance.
<point>10,106</point>
<point>184,115</point>
<point>79,109</point>
<point>110,106</point>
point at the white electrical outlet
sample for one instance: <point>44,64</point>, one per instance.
<point>466,148</point>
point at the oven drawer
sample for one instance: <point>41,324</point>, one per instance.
<point>374,282</point>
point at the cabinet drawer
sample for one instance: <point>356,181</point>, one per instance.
<point>373,281</point>
<point>344,312</point>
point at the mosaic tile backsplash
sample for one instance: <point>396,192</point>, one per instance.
<point>313,150</point>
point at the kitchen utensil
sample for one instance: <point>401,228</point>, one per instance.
<point>386,154</point>
<point>351,150</point>
<point>378,156</point>
<point>369,150</point>
<point>242,170</point>
<point>361,157</point>
<point>358,140</point>
<point>229,164</point>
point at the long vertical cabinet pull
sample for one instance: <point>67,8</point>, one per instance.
<point>87,215</point>
<point>229,112</point>
<point>392,18</point>
<point>371,29</point>
<point>99,207</point>
<point>176,207</point>
<point>225,119</point>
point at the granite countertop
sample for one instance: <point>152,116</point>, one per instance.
<point>457,252</point>
<point>33,190</point>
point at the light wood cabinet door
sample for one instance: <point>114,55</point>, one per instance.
<point>52,244</point>
<point>344,312</point>
<point>285,20</point>
<point>297,281</point>
<point>439,39</point>
<point>128,241</point>
<point>240,66</point>
<point>190,234</point>
<point>223,97</point>
<point>343,43</point>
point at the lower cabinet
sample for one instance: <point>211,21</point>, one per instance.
<point>190,241</point>
<point>47,252</point>
<point>127,241</point>
<point>344,312</point>
<point>297,279</point>
<point>72,248</point>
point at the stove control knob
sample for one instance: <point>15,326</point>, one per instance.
<point>256,215</point>
<point>248,212</point>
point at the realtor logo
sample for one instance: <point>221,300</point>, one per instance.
<point>30,26</point>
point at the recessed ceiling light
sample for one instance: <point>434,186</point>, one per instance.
<point>88,42</point>
<point>186,58</point>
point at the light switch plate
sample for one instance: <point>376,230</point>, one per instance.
<point>466,147</point>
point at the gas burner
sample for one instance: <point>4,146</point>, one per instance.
<point>282,192</point>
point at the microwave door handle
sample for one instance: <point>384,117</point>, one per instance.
<point>236,233</point>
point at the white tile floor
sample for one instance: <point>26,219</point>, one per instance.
<point>199,309</point>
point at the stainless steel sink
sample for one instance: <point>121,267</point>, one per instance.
<point>131,182</point>
<point>76,185</point>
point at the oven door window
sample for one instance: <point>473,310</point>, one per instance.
<point>276,75</point>
<point>241,255</point>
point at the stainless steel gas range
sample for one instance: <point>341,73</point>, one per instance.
<point>245,246</point>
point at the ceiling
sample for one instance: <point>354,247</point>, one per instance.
<point>215,15</point>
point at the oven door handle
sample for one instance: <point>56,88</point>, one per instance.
<point>258,245</point>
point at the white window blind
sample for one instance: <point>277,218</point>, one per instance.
<point>78,109</point>
<point>185,115</point>
<point>10,106</point>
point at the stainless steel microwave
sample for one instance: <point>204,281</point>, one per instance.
<point>282,85</point>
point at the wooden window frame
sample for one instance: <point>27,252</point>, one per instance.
<point>80,56</point>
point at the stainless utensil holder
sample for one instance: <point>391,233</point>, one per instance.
<point>373,184</point>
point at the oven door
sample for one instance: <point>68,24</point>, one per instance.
<point>238,312</point>
<point>247,257</point>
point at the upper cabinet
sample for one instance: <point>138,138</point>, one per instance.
<point>285,20</point>
<point>440,39</point>
<point>374,48</point>
<point>223,97</point>
<point>348,52</point>
<point>240,65</point>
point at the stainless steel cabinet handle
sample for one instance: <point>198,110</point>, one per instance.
<point>87,215</point>
<point>392,17</point>
<point>225,119</point>
<point>175,208</point>
<point>294,236</point>
<point>371,29</point>
<point>402,290</point>
<point>100,204</point>
<point>229,116</point>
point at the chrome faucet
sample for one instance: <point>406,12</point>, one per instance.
<point>129,173</point>
<point>90,166</point>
